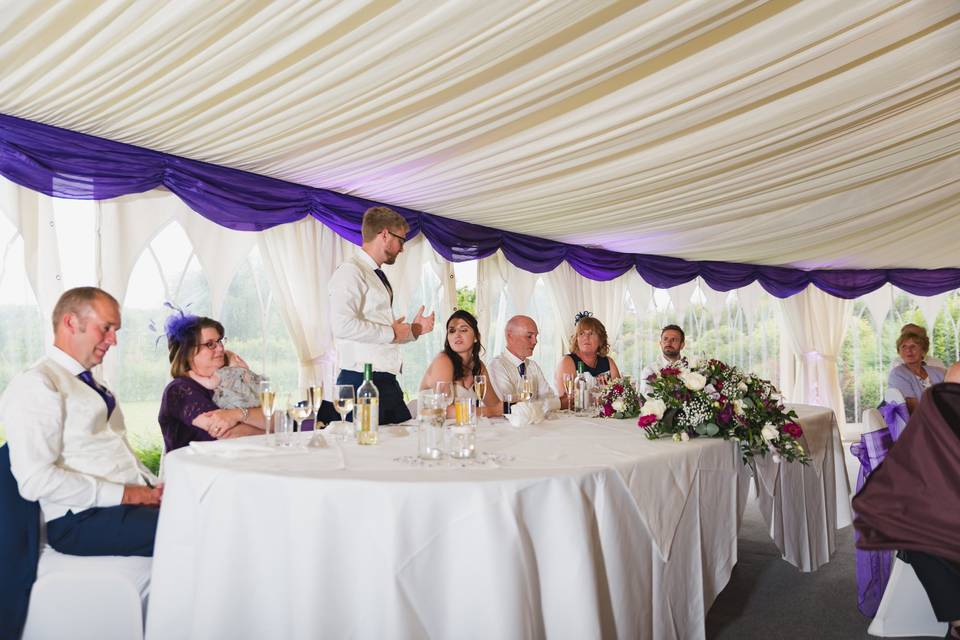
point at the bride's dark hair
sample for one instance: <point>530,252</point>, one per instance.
<point>458,369</point>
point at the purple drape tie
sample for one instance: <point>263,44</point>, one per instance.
<point>873,567</point>
<point>896,416</point>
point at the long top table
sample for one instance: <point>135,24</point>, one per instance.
<point>574,528</point>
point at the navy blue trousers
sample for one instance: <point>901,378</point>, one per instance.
<point>393,409</point>
<point>123,530</point>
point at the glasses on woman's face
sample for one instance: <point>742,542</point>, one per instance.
<point>213,344</point>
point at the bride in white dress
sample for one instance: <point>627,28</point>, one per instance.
<point>459,363</point>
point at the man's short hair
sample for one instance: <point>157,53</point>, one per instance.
<point>78,300</point>
<point>376,219</point>
<point>673,327</point>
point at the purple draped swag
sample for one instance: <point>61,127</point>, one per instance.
<point>873,567</point>
<point>67,164</point>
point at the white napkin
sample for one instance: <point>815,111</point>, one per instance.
<point>524,413</point>
<point>238,447</point>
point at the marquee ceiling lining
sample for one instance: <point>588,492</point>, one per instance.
<point>810,134</point>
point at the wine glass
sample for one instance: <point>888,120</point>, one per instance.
<point>300,409</point>
<point>444,393</point>
<point>268,399</point>
<point>568,390</point>
<point>315,396</point>
<point>526,389</point>
<point>480,388</point>
<point>343,403</point>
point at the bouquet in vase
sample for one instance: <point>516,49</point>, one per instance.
<point>714,400</point>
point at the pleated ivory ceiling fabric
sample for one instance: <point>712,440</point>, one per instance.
<point>816,134</point>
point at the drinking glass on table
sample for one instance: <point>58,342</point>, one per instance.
<point>343,402</point>
<point>430,415</point>
<point>315,396</point>
<point>301,408</point>
<point>444,393</point>
<point>526,389</point>
<point>480,388</point>
<point>268,399</point>
<point>568,390</point>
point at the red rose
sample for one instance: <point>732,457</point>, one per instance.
<point>669,371</point>
<point>608,410</point>
<point>793,429</point>
<point>618,388</point>
<point>645,422</point>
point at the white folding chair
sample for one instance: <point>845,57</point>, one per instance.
<point>905,608</point>
<point>88,597</point>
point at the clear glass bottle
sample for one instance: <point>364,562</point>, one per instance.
<point>581,391</point>
<point>366,411</point>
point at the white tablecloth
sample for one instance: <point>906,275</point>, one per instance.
<point>803,506</point>
<point>586,530</point>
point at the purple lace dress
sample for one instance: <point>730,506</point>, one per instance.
<point>183,400</point>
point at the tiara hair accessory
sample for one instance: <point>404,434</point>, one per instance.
<point>580,316</point>
<point>177,326</point>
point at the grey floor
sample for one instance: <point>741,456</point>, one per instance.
<point>768,598</point>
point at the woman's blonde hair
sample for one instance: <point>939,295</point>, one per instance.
<point>920,338</point>
<point>590,324</point>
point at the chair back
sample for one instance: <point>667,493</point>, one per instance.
<point>893,396</point>
<point>872,420</point>
<point>19,550</point>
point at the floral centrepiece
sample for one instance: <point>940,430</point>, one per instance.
<point>712,399</point>
<point>618,399</point>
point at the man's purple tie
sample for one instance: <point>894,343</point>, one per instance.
<point>386,283</point>
<point>108,398</point>
<point>522,368</point>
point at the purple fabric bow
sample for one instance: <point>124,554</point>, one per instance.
<point>896,415</point>
<point>873,567</point>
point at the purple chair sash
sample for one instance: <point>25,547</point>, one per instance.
<point>873,567</point>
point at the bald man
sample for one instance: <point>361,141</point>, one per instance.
<point>505,370</point>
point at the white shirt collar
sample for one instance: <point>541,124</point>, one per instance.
<point>512,358</point>
<point>65,360</point>
<point>367,259</point>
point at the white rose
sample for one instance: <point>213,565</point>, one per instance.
<point>618,405</point>
<point>684,436</point>
<point>769,432</point>
<point>654,406</point>
<point>738,407</point>
<point>742,386</point>
<point>676,437</point>
<point>693,380</point>
<point>693,362</point>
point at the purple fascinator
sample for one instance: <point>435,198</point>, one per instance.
<point>178,326</point>
<point>580,316</point>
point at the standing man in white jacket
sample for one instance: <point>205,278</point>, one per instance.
<point>365,328</point>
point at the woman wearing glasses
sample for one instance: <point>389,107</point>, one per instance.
<point>206,377</point>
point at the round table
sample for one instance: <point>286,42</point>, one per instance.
<point>573,528</point>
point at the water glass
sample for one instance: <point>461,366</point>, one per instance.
<point>462,433</point>
<point>430,414</point>
<point>283,423</point>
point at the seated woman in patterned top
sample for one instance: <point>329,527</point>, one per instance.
<point>189,409</point>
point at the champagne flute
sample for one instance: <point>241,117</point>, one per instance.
<point>480,388</point>
<point>568,390</point>
<point>315,395</point>
<point>343,403</point>
<point>268,399</point>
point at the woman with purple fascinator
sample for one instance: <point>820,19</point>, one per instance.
<point>213,393</point>
<point>588,345</point>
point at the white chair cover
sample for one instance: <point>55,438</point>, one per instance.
<point>872,420</point>
<point>905,608</point>
<point>88,597</point>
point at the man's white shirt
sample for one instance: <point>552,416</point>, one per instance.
<point>504,373</point>
<point>64,451</point>
<point>361,315</point>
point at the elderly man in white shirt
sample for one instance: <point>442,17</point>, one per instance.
<point>67,440</point>
<point>507,368</point>
<point>672,340</point>
<point>365,328</point>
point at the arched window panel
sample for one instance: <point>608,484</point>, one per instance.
<point>418,354</point>
<point>22,328</point>
<point>166,271</point>
<point>76,232</point>
<point>254,326</point>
